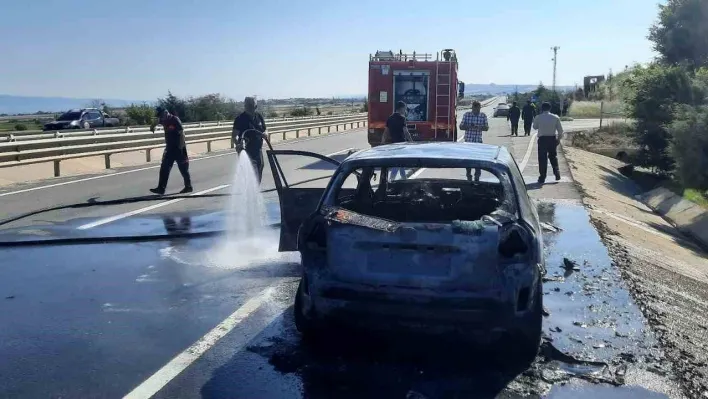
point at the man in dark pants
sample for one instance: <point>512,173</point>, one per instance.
<point>175,151</point>
<point>548,125</point>
<point>513,117</point>
<point>396,131</point>
<point>527,114</point>
<point>249,132</point>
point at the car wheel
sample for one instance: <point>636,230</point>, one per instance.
<point>86,125</point>
<point>525,341</point>
<point>307,325</point>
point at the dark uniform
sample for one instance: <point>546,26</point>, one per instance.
<point>250,129</point>
<point>513,117</point>
<point>527,114</point>
<point>175,151</point>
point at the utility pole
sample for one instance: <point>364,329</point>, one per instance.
<point>555,60</point>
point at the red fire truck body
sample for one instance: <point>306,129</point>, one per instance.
<point>428,86</point>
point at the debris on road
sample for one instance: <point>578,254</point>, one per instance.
<point>570,265</point>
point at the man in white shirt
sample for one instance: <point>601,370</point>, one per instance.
<point>547,125</point>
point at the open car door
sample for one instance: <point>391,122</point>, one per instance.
<point>300,185</point>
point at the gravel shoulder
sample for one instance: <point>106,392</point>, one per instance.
<point>667,273</point>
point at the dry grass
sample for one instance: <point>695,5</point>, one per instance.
<point>591,109</point>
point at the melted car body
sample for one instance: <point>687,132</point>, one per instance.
<point>437,250</point>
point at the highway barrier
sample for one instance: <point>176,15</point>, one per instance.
<point>24,135</point>
<point>18,153</point>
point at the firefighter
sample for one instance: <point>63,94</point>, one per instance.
<point>548,125</point>
<point>527,114</point>
<point>175,151</point>
<point>249,132</point>
<point>513,117</point>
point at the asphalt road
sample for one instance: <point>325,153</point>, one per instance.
<point>205,317</point>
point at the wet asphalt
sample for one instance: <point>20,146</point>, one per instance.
<point>98,320</point>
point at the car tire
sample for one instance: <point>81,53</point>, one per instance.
<point>525,342</point>
<point>86,125</point>
<point>307,325</point>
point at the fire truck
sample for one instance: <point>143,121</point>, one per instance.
<point>427,85</point>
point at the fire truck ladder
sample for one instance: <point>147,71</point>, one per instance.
<point>443,100</point>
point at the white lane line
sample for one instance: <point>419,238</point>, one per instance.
<point>179,363</point>
<point>147,208</point>
<point>294,141</point>
<point>170,202</point>
<point>527,156</point>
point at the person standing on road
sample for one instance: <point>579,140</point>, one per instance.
<point>513,116</point>
<point>249,132</point>
<point>474,123</point>
<point>548,125</point>
<point>527,114</point>
<point>396,131</point>
<point>175,151</point>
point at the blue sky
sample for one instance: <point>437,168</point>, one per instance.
<point>276,48</point>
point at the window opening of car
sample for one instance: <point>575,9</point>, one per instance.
<point>437,195</point>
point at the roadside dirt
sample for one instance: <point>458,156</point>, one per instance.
<point>667,273</point>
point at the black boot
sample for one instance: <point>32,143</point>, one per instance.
<point>186,190</point>
<point>158,190</point>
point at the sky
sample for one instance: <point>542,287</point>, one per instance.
<point>303,48</point>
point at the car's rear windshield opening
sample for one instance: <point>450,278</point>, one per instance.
<point>427,195</point>
<point>70,116</point>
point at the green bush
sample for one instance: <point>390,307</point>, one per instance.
<point>304,111</point>
<point>272,114</point>
<point>20,127</point>
<point>140,114</point>
<point>690,146</point>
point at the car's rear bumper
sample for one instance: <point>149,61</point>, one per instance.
<point>483,316</point>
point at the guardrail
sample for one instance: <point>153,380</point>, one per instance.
<point>40,134</point>
<point>59,149</point>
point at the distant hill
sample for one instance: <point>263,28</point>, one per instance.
<point>10,104</point>
<point>475,88</point>
<point>27,105</point>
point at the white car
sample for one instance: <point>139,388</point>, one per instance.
<point>501,110</point>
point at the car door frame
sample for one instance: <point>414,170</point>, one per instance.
<point>293,212</point>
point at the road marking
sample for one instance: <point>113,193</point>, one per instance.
<point>293,141</point>
<point>179,363</point>
<point>527,156</point>
<point>145,209</point>
<point>170,202</point>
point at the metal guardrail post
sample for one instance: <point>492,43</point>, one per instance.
<point>147,154</point>
<point>319,130</point>
<point>284,135</point>
<point>56,168</point>
<point>108,160</point>
<point>297,133</point>
<point>329,129</point>
<point>208,146</point>
<point>309,131</point>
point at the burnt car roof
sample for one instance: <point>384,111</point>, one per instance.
<point>435,151</point>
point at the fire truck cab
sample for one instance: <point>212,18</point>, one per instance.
<point>429,87</point>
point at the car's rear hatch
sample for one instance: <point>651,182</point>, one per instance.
<point>455,256</point>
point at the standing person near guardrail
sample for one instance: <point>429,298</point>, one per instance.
<point>175,151</point>
<point>249,132</point>
<point>548,125</point>
<point>513,117</point>
<point>527,114</point>
<point>474,123</point>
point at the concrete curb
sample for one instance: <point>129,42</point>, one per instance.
<point>689,218</point>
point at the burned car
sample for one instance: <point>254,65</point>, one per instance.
<point>432,250</point>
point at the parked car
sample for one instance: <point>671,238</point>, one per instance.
<point>502,109</point>
<point>86,118</point>
<point>437,249</point>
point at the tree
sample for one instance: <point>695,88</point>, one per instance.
<point>681,33</point>
<point>174,105</point>
<point>652,96</point>
<point>140,114</point>
<point>690,146</point>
